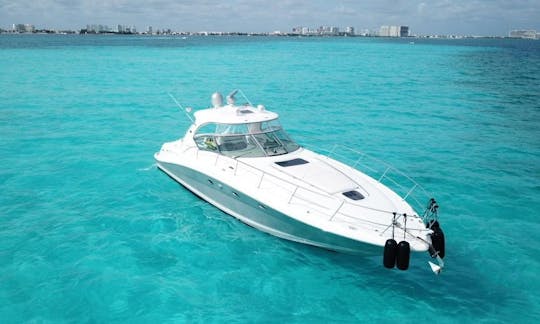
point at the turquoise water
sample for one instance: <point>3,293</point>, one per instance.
<point>90,231</point>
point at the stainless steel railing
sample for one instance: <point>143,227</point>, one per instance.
<point>405,186</point>
<point>387,173</point>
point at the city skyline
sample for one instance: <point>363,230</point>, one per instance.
<point>476,17</point>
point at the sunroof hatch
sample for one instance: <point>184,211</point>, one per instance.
<point>354,195</point>
<point>292,162</point>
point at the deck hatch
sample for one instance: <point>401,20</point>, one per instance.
<point>292,162</point>
<point>354,195</point>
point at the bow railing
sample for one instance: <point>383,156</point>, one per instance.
<point>373,167</point>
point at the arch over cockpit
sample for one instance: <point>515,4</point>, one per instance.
<point>253,139</point>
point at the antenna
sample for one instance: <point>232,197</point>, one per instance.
<point>230,97</point>
<point>186,111</point>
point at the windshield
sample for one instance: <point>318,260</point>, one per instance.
<point>245,140</point>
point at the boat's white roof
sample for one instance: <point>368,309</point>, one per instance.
<point>230,114</point>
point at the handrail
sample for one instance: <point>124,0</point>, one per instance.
<point>343,202</point>
<point>264,174</point>
<point>409,192</point>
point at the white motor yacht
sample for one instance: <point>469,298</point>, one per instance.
<point>239,159</point>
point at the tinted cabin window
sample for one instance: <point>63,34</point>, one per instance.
<point>257,139</point>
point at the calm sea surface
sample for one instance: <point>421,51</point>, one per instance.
<point>90,231</point>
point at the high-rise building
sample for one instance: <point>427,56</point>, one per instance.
<point>394,31</point>
<point>384,31</point>
<point>403,31</point>
<point>23,28</point>
<point>327,30</point>
<point>149,30</point>
<point>528,34</point>
<point>349,30</point>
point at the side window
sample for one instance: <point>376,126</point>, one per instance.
<point>206,142</point>
<point>270,144</point>
<point>205,139</point>
<point>232,143</point>
<point>239,146</point>
<point>289,144</point>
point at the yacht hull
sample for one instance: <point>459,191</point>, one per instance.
<point>258,215</point>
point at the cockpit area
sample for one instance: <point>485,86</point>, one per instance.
<point>256,139</point>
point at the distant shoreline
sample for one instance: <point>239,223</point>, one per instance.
<point>240,34</point>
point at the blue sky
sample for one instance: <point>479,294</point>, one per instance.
<point>472,17</point>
